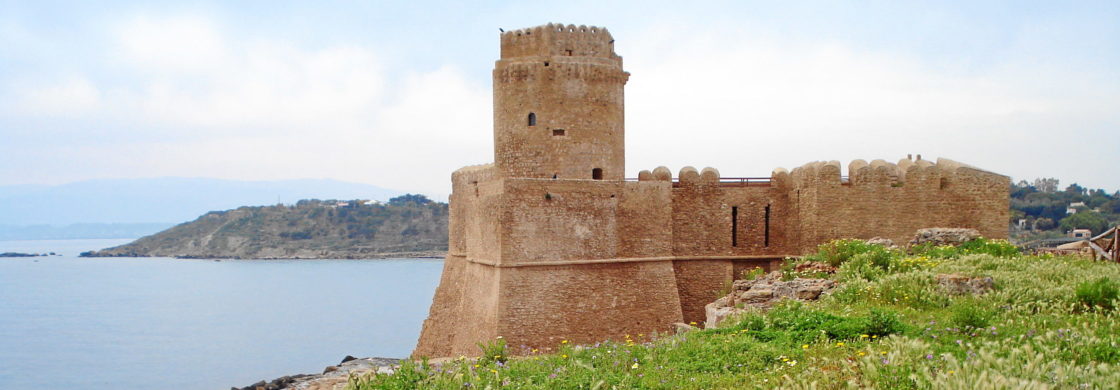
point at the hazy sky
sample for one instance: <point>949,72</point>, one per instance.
<point>397,94</point>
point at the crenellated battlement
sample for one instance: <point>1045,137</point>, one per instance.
<point>558,40</point>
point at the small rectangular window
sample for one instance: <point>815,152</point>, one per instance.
<point>557,132</point>
<point>766,230</point>
<point>597,173</point>
<point>734,226</point>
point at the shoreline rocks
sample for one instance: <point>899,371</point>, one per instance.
<point>333,377</point>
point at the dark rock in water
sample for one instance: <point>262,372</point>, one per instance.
<point>15,254</point>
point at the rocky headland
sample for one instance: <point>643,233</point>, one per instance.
<point>406,226</point>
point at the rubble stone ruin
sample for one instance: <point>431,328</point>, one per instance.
<point>551,242</point>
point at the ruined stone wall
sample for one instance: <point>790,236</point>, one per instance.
<point>881,199</point>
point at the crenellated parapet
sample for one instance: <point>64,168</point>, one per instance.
<point>881,173</point>
<point>558,40</point>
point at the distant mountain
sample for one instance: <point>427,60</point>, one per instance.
<point>80,230</point>
<point>407,226</point>
<point>161,200</point>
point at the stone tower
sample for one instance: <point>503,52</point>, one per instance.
<point>558,104</point>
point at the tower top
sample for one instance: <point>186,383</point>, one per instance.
<point>556,40</point>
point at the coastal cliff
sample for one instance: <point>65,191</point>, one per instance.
<point>406,226</point>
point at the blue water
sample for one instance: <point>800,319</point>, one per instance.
<point>158,323</point>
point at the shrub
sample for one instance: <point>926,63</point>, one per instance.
<point>493,351</point>
<point>753,273</point>
<point>997,248</point>
<point>859,268</point>
<point>1100,293</point>
<point>883,322</point>
<point>837,252</point>
<point>969,314</point>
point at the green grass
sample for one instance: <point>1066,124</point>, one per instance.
<point>1048,323</point>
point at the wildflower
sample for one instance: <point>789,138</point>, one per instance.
<point>565,356</point>
<point>861,353</point>
<point>564,342</point>
<point>805,346</point>
<point>874,336</point>
<point>534,350</point>
<point>929,356</point>
<point>635,365</point>
<point>864,336</point>
<point>693,323</point>
<point>840,344</point>
<point>951,372</point>
<point>493,371</point>
<point>476,366</point>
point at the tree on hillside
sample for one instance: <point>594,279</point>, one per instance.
<point>410,198</point>
<point>1047,185</point>
<point>1091,220</point>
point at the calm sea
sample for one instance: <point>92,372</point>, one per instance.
<point>158,323</point>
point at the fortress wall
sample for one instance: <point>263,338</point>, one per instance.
<point>880,200</point>
<point>587,303</point>
<point>644,213</point>
<point>474,219</point>
<point>558,220</point>
<point>979,199</point>
<point>701,221</point>
<point>464,310</point>
<point>699,283</point>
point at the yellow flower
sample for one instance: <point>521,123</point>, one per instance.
<point>861,353</point>
<point>805,346</point>
<point>497,356</point>
<point>493,371</point>
<point>635,365</point>
<point>839,344</point>
<point>564,356</point>
<point>951,371</point>
<point>476,366</point>
<point>883,353</point>
<point>564,342</point>
<point>863,336</point>
<point>693,323</point>
<point>534,350</point>
<point>874,336</point>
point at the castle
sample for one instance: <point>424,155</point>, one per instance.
<point>552,243</point>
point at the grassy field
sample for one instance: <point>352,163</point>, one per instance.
<point>1049,322</point>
